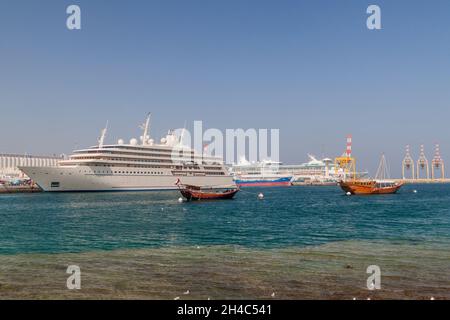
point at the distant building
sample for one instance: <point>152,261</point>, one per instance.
<point>10,162</point>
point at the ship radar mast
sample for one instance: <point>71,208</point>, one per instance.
<point>101,140</point>
<point>180,140</point>
<point>145,127</point>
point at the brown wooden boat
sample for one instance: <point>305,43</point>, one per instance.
<point>191,192</point>
<point>370,186</point>
<point>380,185</point>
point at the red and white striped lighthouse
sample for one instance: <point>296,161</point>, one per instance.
<point>348,151</point>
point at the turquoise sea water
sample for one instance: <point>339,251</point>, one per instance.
<point>298,242</point>
<point>293,216</point>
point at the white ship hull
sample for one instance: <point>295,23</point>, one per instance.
<point>84,178</point>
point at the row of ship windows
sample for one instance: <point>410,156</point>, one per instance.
<point>147,152</point>
<point>138,172</point>
<point>171,156</point>
<point>118,159</point>
<point>126,159</point>
<point>80,155</point>
<point>161,167</point>
<point>124,172</point>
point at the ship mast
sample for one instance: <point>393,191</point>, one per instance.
<point>101,140</point>
<point>383,171</point>
<point>145,128</point>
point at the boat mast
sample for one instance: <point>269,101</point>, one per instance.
<point>382,172</point>
<point>101,140</point>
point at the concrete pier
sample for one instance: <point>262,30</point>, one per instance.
<point>422,181</point>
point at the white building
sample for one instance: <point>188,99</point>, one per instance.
<point>10,162</point>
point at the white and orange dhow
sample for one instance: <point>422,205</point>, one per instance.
<point>143,165</point>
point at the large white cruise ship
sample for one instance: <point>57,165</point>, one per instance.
<point>320,172</point>
<point>143,165</point>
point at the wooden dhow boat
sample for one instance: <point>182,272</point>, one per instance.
<point>191,192</point>
<point>370,186</point>
<point>380,185</point>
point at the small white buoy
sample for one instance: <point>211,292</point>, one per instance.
<point>354,298</point>
<point>415,191</point>
<point>176,298</point>
<point>432,298</point>
<point>180,199</point>
<point>260,195</point>
<point>368,298</point>
<point>349,193</point>
<point>273,295</point>
<point>187,292</point>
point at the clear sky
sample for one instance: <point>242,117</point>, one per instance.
<point>310,68</point>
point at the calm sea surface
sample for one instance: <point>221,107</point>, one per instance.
<point>298,242</point>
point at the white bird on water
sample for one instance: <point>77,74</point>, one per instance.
<point>187,292</point>
<point>176,298</point>
<point>273,295</point>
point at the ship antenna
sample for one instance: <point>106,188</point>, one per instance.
<point>101,140</point>
<point>145,126</point>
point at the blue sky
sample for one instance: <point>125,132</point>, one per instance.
<point>310,68</point>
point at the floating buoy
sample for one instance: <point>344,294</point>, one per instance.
<point>186,293</point>
<point>349,193</point>
<point>432,298</point>
<point>273,295</point>
<point>261,196</point>
<point>415,191</point>
<point>180,200</point>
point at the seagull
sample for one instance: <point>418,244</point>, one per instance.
<point>273,295</point>
<point>176,298</point>
<point>187,292</point>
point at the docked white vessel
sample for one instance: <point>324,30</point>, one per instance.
<point>143,165</point>
<point>319,172</point>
